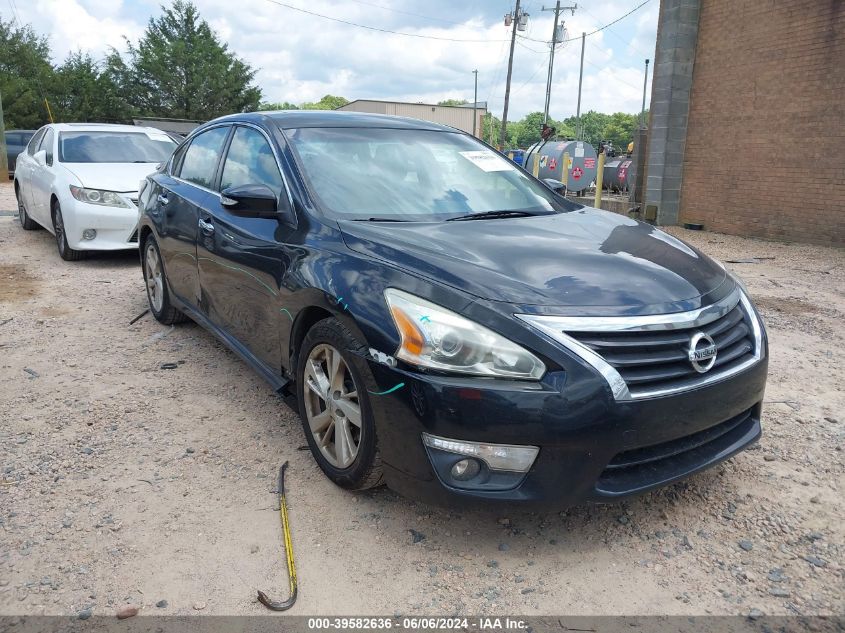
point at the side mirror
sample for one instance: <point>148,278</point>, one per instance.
<point>555,185</point>
<point>40,157</point>
<point>256,201</point>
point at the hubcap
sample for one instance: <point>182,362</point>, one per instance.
<point>21,210</point>
<point>332,406</point>
<point>154,278</point>
<point>60,230</point>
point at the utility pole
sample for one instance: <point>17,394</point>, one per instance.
<point>645,83</point>
<point>580,79</point>
<point>518,19</point>
<point>555,38</point>
<point>475,103</point>
<point>4,161</point>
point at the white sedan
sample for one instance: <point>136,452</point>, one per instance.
<point>80,182</point>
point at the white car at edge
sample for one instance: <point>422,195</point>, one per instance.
<point>80,182</point>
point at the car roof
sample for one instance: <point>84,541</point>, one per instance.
<point>101,127</point>
<point>288,119</point>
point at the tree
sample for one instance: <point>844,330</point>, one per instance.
<point>24,73</point>
<point>181,69</point>
<point>453,102</point>
<point>284,105</point>
<point>490,126</point>
<point>618,128</point>
<point>82,91</point>
<point>328,102</point>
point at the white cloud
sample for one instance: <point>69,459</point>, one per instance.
<point>302,57</point>
<point>71,26</point>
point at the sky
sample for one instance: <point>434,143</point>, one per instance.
<point>301,57</point>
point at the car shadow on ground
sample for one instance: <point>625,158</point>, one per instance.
<point>93,259</point>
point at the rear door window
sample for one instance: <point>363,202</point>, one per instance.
<point>199,164</point>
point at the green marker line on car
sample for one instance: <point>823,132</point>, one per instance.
<point>384,393</point>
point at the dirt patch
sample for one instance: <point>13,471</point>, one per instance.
<point>126,483</point>
<point>16,284</point>
<point>787,305</point>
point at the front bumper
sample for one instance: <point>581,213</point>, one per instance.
<point>116,226</point>
<point>592,448</point>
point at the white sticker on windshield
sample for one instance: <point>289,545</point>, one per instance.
<point>158,136</point>
<point>488,161</point>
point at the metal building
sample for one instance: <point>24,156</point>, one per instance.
<point>454,116</point>
<point>177,126</point>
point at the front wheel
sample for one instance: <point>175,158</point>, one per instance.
<point>156,283</point>
<point>65,251</point>
<point>335,408</point>
<point>27,222</point>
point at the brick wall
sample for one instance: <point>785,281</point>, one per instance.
<point>765,149</point>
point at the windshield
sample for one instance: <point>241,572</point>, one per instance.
<point>114,147</point>
<point>412,175</point>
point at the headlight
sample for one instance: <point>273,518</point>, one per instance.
<point>98,196</point>
<point>437,338</point>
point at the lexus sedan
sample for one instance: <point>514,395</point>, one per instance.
<point>80,182</point>
<point>448,324</point>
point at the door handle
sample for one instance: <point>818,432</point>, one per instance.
<point>162,198</point>
<point>206,227</point>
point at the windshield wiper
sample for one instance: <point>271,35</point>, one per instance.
<point>487,215</point>
<point>379,220</point>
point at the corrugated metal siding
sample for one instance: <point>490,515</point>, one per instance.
<point>460,118</point>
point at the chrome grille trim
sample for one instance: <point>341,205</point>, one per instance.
<point>645,323</point>
<point>556,327</point>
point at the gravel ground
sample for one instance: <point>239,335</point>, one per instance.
<point>124,483</point>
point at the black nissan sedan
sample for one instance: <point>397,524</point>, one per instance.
<point>448,324</point>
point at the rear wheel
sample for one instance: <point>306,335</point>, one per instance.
<point>156,283</point>
<point>27,222</point>
<point>335,408</point>
<point>65,251</point>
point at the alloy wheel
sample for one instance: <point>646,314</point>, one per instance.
<point>21,210</point>
<point>59,226</point>
<point>154,277</point>
<point>332,406</point>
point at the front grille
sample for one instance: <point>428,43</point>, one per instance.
<point>657,361</point>
<point>652,465</point>
<point>133,239</point>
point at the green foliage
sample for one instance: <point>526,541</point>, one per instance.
<point>81,91</point>
<point>181,69</point>
<point>328,102</point>
<point>453,102</point>
<point>24,73</point>
<point>490,128</point>
<point>618,128</point>
<point>283,105</point>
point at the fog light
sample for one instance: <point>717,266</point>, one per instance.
<point>89,234</point>
<point>465,469</point>
<point>497,456</point>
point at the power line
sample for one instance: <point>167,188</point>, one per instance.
<point>418,15</point>
<point>381,30</point>
<point>531,78</point>
<point>434,37</point>
<point>615,34</point>
<point>598,30</point>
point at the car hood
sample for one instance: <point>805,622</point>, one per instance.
<point>584,258</point>
<point>122,177</point>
